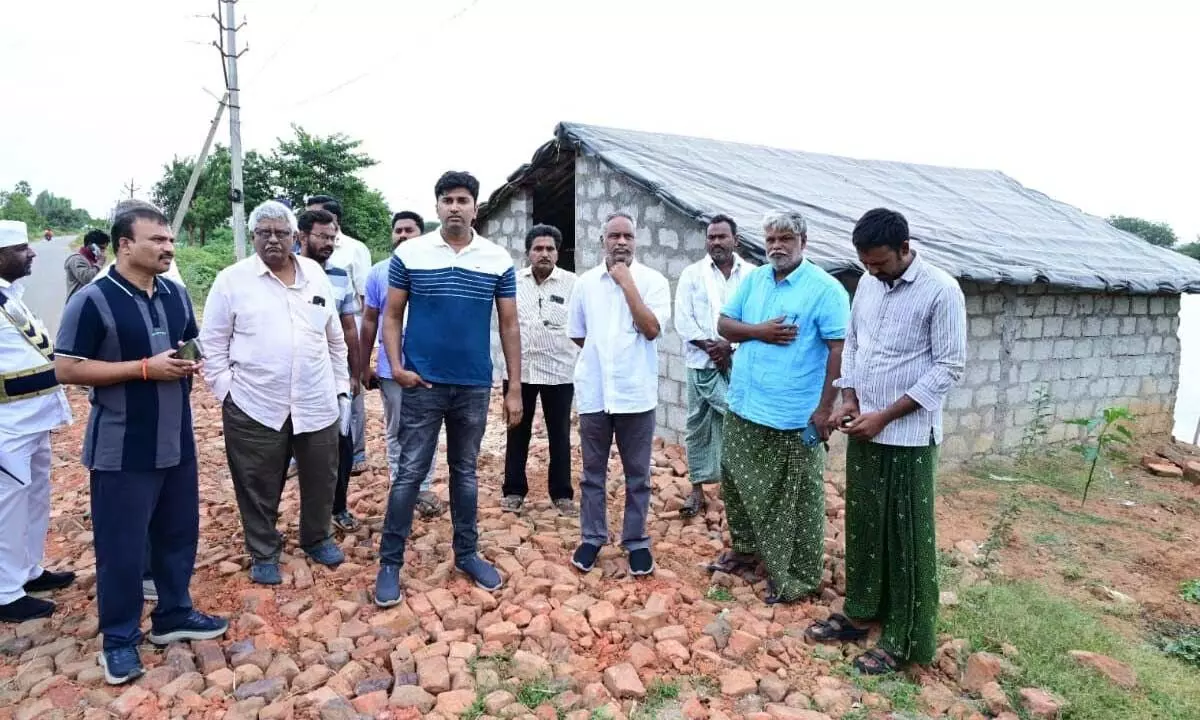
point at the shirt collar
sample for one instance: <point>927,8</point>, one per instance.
<point>915,268</point>
<point>14,289</point>
<point>633,266</point>
<point>130,288</point>
<point>527,271</point>
<point>738,262</point>
<point>260,269</point>
<point>437,238</point>
<point>795,276</point>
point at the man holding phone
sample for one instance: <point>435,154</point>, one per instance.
<point>790,318</point>
<point>121,336</point>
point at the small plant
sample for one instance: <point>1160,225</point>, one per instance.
<point>1038,428</point>
<point>1001,533</point>
<point>1179,641</point>
<point>532,694</point>
<point>719,594</point>
<point>1106,435</point>
<point>657,695</point>
<point>476,710</point>
<point>1190,591</point>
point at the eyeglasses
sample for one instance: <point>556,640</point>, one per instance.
<point>323,236</point>
<point>277,234</point>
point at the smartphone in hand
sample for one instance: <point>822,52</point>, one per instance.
<point>190,350</point>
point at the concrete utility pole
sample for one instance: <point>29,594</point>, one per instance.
<point>230,55</point>
<point>130,188</point>
<point>186,201</point>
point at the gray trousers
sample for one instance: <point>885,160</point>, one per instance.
<point>392,402</point>
<point>258,460</point>
<point>635,436</point>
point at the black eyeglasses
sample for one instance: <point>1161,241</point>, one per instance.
<point>277,234</point>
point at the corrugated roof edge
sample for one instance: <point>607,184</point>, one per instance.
<point>567,134</point>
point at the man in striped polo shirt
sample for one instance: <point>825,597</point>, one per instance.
<point>451,278</point>
<point>905,349</point>
<point>120,336</point>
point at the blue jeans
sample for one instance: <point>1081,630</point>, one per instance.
<point>464,409</point>
<point>129,509</point>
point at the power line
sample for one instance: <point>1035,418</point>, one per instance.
<point>291,33</point>
<point>462,11</point>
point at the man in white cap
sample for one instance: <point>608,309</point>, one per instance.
<point>31,405</point>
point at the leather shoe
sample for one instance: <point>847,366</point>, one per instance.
<point>50,580</point>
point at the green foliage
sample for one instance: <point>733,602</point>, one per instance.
<point>719,594</point>
<point>476,710</point>
<point>1181,642</point>
<point>659,694</point>
<point>18,207</point>
<point>1001,533</point>
<point>199,264</point>
<point>1192,250</point>
<point>532,694</point>
<point>210,208</point>
<point>1190,591</point>
<point>58,212</point>
<point>1155,233</point>
<point>22,188</point>
<point>1107,433</point>
<point>1044,628</point>
<point>1034,435</point>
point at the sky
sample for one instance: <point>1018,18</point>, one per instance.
<point>1093,103</point>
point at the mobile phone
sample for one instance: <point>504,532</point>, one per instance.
<point>190,350</point>
<point>811,436</point>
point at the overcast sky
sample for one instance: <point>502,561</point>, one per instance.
<point>1090,102</point>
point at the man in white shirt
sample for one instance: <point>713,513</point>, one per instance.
<point>704,288</point>
<point>547,369</point>
<point>275,356</point>
<point>618,311</point>
<point>354,257</point>
<point>31,405</point>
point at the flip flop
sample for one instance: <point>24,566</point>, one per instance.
<point>695,505</point>
<point>836,629</point>
<point>876,661</point>
<point>729,563</point>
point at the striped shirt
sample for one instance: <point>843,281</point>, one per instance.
<point>134,426</point>
<point>344,298</point>
<point>451,294</point>
<point>909,338</point>
<point>547,354</point>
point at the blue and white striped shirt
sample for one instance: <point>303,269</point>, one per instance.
<point>909,338</point>
<point>450,298</point>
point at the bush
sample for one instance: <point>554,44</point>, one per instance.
<point>199,265</point>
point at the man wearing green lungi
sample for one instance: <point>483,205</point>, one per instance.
<point>905,349</point>
<point>704,288</point>
<point>790,318</point>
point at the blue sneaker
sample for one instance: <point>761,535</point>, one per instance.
<point>265,573</point>
<point>121,665</point>
<point>196,626</point>
<point>387,586</point>
<point>326,553</point>
<point>481,571</point>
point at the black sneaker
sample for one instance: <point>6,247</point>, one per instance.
<point>25,608</point>
<point>585,556</point>
<point>641,562</point>
<point>49,580</point>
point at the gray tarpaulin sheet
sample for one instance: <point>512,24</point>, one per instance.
<point>977,224</point>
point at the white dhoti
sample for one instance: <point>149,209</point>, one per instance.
<point>24,510</point>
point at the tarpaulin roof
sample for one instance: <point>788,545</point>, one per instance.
<point>977,224</point>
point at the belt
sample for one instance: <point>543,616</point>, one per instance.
<point>25,384</point>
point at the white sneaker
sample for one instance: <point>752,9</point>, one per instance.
<point>149,591</point>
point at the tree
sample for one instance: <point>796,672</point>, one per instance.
<point>22,188</point>
<point>210,207</point>
<point>58,212</point>
<point>1155,233</point>
<point>1191,249</point>
<point>18,207</point>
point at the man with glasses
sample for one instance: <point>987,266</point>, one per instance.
<point>276,358</point>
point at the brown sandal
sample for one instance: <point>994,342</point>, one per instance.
<point>837,628</point>
<point>731,562</point>
<point>876,661</point>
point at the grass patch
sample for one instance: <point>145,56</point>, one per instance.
<point>719,594</point>
<point>899,692</point>
<point>534,693</point>
<point>1044,628</point>
<point>1190,591</point>
<point>658,695</point>
<point>1179,641</point>
<point>476,710</point>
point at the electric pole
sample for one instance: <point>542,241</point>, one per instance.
<point>229,56</point>
<point>197,169</point>
<point>130,188</point>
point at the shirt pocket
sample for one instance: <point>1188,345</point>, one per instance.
<point>317,317</point>
<point>554,315</point>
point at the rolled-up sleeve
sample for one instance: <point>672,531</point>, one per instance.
<point>948,340</point>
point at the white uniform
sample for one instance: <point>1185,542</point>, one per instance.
<point>31,405</point>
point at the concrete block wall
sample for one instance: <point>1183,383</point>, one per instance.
<point>1088,350</point>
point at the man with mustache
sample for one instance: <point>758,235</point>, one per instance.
<point>122,336</point>
<point>547,366</point>
<point>454,279</point>
<point>406,225</point>
<point>906,348</point>
<point>789,318</point>
<point>31,405</point>
<point>276,359</point>
<point>618,311</point>
<point>704,288</point>
<point>318,229</point>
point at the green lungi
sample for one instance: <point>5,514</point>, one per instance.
<point>774,494</point>
<point>891,552</point>
<point>706,412</point>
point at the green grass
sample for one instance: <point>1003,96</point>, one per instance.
<point>1190,591</point>
<point>658,695</point>
<point>199,265</point>
<point>1044,628</point>
<point>899,692</point>
<point>719,594</point>
<point>476,710</point>
<point>534,693</point>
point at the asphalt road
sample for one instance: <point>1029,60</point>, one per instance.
<point>46,287</point>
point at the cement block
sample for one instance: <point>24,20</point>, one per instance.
<point>669,392</point>
<point>1043,349</point>
<point>1063,349</point>
<point>669,239</point>
<point>985,396</point>
<point>1093,326</point>
<point>1065,305</point>
<point>981,327</point>
<point>1024,307</point>
<point>655,212</point>
<point>1083,349</point>
<point>974,304</point>
<point>1031,328</point>
<point>959,399</point>
<point>1072,327</point>
<point>1139,305</point>
<point>1128,325</point>
<point>1021,350</point>
<point>677,417</point>
<point>676,369</point>
<point>1086,304</point>
<point>1170,305</point>
<point>1111,326</point>
<point>987,350</point>
<point>694,242</point>
<point>1045,306</point>
<point>1052,327</point>
<point>993,303</point>
<point>1120,305</point>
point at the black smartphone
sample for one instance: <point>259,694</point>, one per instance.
<point>190,350</point>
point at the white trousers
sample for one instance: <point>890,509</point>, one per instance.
<point>24,510</point>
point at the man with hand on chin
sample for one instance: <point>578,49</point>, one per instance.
<point>122,336</point>
<point>442,359</point>
<point>618,311</point>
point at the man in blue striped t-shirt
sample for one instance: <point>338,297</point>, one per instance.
<point>451,278</point>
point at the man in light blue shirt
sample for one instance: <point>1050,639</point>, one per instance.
<point>406,225</point>
<point>790,318</point>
